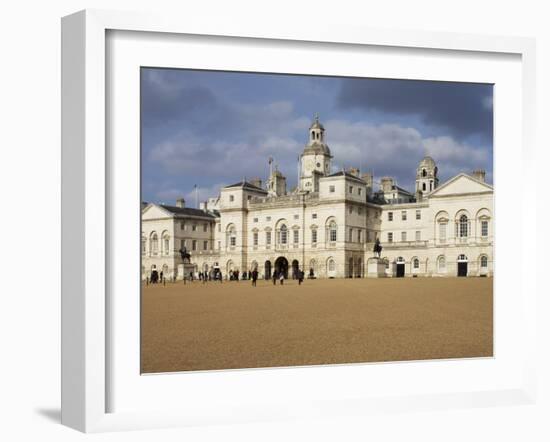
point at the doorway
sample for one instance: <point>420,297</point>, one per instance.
<point>462,266</point>
<point>399,267</point>
<point>267,270</point>
<point>281,265</point>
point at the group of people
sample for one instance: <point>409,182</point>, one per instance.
<point>155,278</point>
<point>279,275</point>
<point>215,274</point>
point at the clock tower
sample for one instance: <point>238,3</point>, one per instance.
<point>315,159</point>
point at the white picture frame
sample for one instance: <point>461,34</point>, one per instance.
<point>86,215</point>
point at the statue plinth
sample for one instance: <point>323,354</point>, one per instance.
<point>185,269</point>
<point>376,267</point>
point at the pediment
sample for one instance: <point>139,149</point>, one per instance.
<point>460,185</point>
<point>152,211</point>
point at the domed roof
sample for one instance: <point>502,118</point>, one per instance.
<point>318,148</point>
<point>316,124</point>
<point>427,162</point>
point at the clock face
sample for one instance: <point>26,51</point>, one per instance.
<point>318,164</point>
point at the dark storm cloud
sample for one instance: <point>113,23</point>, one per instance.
<point>464,109</point>
<point>164,105</point>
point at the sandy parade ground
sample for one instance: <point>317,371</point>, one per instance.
<point>229,325</point>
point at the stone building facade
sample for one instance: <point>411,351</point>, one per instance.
<point>329,224</point>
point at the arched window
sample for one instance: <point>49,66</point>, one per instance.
<point>483,261</point>
<point>416,263</point>
<point>154,244</point>
<point>166,244</point>
<point>463,226</point>
<point>331,265</point>
<point>423,186</point>
<point>332,231</point>
<point>441,264</point>
<point>283,234</point>
<point>400,260</point>
<point>424,173</point>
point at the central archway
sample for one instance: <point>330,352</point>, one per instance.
<point>281,265</point>
<point>295,269</point>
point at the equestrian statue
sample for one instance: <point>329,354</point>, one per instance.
<point>377,248</point>
<point>185,255</point>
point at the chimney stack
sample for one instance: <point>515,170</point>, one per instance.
<point>479,174</point>
<point>180,202</point>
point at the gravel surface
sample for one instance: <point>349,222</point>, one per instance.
<point>234,325</point>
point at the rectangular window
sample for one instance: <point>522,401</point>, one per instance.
<point>219,227</point>
<point>403,236</point>
<point>231,198</point>
<point>314,236</point>
<point>443,231</point>
<point>205,245</point>
<point>331,189</point>
<point>359,236</point>
<point>296,236</point>
<point>182,225</point>
<point>359,191</point>
<point>205,227</point>
<point>332,234</point>
<point>255,220</point>
<point>314,215</point>
<point>194,244</point>
<point>233,241</point>
<point>350,209</point>
<point>219,245</point>
<point>484,228</point>
<point>268,218</point>
<point>183,245</point>
<point>390,216</point>
<point>255,238</point>
<point>403,215</point>
<point>350,235</point>
<point>143,246</point>
<point>296,216</point>
<point>417,235</point>
<point>350,189</point>
<point>390,237</point>
<point>418,214</point>
<point>194,228</point>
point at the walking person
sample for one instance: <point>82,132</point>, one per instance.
<point>254,277</point>
<point>274,277</point>
<point>300,277</point>
<point>281,278</point>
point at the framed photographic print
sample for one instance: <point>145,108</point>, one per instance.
<point>265,224</point>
